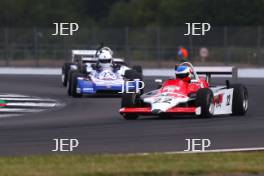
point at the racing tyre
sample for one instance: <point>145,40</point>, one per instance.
<point>64,73</point>
<point>74,82</point>
<point>139,71</point>
<point>69,82</point>
<point>240,99</point>
<point>205,100</point>
<point>137,68</point>
<point>132,74</point>
<point>129,100</point>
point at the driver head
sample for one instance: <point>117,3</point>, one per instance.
<point>105,58</point>
<point>183,72</point>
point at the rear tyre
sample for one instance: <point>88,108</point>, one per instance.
<point>130,100</point>
<point>139,71</point>
<point>205,100</point>
<point>131,75</point>
<point>137,68</point>
<point>240,99</point>
<point>64,73</point>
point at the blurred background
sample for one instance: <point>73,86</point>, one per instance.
<point>146,32</point>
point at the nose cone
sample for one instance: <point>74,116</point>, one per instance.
<point>163,105</point>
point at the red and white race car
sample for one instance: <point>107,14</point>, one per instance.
<point>195,96</point>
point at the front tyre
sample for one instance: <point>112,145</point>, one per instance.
<point>74,85</point>
<point>240,99</point>
<point>69,84</point>
<point>205,100</point>
<point>129,100</point>
<point>130,116</point>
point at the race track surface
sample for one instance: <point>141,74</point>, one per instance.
<point>96,123</point>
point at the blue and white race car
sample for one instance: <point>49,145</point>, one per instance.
<point>107,75</point>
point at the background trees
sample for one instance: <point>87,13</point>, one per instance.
<point>116,13</point>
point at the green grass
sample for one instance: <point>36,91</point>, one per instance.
<point>155,164</point>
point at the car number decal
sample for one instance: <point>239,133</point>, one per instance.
<point>228,100</point>
<point>163,100</point>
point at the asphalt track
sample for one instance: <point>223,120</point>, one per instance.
<point>96,123</point>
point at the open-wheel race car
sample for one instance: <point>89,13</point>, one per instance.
<point>187,94</point>
<point>79,57</point>
<point>105,75</point>
<point>84,58</point>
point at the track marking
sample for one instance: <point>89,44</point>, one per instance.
<point>20,110</point>
<point>8,115</point>
<point>30,104</point>
<point>26,99</point>
<point>223,150</point>
<point>13,96</point>
<point>250,149</point>
<point>16,105</point>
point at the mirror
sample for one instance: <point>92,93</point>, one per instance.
<point>158,81</point>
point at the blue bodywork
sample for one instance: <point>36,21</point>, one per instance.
<point>85,86</point>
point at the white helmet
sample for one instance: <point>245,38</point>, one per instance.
<point>105,57</point>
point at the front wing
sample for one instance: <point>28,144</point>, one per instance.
<point>147,110</point>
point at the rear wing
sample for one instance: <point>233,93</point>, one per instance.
<point>209,71</point>
<point>118,60</point>
<point>89,59</point>
<point>85,53</point>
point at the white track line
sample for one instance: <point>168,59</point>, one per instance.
<point>13,96</point>
<point>28,104</point>
<point>9,115</point>
<point>209,151</point>
<point>223,150</point>
<point>18,105</point>
<point>20,110</point>
<point>26,99</point>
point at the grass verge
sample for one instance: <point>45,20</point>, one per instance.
<point>236,163</point>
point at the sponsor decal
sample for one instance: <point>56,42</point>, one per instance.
<point>171,88</point>
<point>218,99</point>
<point>88,89</point>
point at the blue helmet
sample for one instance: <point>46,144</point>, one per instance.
<point>183,72</point>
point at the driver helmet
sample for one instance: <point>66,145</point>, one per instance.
<point>105,58</point>
<point>184,73</point>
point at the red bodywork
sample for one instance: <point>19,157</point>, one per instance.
<point>182,87</point>
<point>176,88</point>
